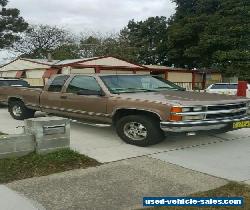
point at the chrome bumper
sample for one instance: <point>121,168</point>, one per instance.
<point>205,125</point>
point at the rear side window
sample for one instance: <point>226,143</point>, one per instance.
<point>58,83</point>
<point>83,83</point>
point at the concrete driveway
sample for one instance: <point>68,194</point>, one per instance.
<point>226,155</point>
<point>118,185</point>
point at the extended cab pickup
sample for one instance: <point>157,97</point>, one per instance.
<point>142,108</point>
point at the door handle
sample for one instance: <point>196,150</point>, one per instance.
<point>63,97</point>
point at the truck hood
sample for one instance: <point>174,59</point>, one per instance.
<point>184,98</point>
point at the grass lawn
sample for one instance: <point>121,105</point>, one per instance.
<point>34,165</point>
<point>231,189</point>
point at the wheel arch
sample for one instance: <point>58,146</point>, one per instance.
<point>15,98</point>
<point>119,113</point>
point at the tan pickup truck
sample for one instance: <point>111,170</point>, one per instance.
<point>142,108</point>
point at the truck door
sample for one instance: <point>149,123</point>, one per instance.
<point>50,99</point>
<point>82,98</point>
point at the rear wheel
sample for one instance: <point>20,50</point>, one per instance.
<point>19,111</point>
<point>139,130</point>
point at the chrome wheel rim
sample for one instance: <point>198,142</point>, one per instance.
<point>17,110</point>
<point>135,131</point>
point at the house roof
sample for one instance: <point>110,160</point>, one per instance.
<point>24,64</point>
<point>158,67</point>
<point>47,62</point>
<point>208,71</point>
<point>41,61</point>
<point>70,61</point>
<point>103,61</point>
<point>155,67</point>
<point>107,61</point>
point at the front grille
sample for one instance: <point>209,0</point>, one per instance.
<point>226,107</point>
<point>236,111</point>
<point>225,115</point>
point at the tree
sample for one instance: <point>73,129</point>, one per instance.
<point>66,51</point>
<point>211,33</point>
<point>147,39</point>
<point>90,46</point>
<point>105,45</point>
<point>10,25</point>
<point>40,40</point>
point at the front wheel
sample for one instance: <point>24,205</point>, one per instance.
<point>19,111</point>
<point>139,130</point>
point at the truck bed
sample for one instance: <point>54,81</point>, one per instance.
<point>30,96</point>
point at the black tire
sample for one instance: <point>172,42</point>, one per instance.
<point>23,113</point>
<point>147,124</point>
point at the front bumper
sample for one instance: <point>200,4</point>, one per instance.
<point>205,125</point>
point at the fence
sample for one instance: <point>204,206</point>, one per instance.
<point>190,85</point>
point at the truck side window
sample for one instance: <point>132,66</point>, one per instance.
<point>58,83</point>
<point>83,83</point>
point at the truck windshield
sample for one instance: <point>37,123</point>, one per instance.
<point>135,83</point>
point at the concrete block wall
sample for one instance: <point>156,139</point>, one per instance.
<point>51,133</point>
<point>42,135</point>
<point>16,145</point>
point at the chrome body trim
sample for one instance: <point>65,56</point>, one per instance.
<point>100,125</point>
<point>187,126</point>
<point>211,112</point>
<point>76,111</point>
<point>212,105</point>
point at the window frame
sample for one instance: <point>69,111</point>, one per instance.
<point>72,79</point>
<point>65,82</point>
<point>136,75</point>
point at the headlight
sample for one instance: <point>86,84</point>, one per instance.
<point>179,113</point>
<point>198,109</point>
<point>193,109</point>
<point>186,109</point>
<point>193,117</point>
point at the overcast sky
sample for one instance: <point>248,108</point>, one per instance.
<point>89,15</point>
<point>96,15</point>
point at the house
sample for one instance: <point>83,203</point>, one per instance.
<point>38,71</point>
<point>191,79</point>
<point>179,76</point>
<point>32,70</point>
